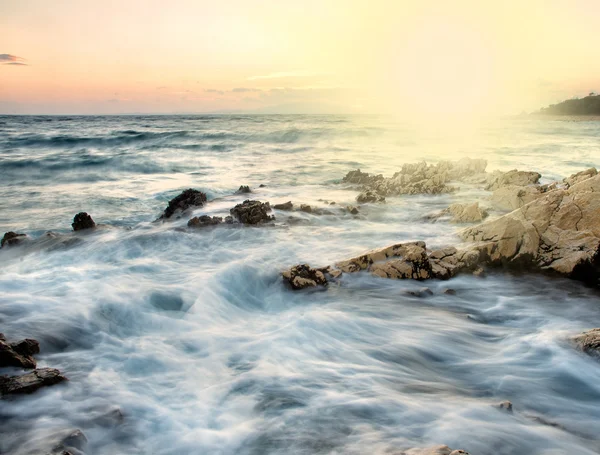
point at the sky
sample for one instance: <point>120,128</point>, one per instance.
<point>412,58</point>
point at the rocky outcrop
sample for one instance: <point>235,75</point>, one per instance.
<point>285,206</point>
<point>12,238</point>
<point>465,213</point>
<point>361,178</point>
<point>82,221</point>
<point>435,450</point>
<point>589,342</point>
<point>512,178</point>
<point>303,276</point>
<point>252,212</point>
<point>183,202</point>
<point>243,189</point>
<point>369,196</point>
<point>580,177</point>
<point>19,354</point>
<point>514,197</point>
<point>30,382</point>
<point>204,220</point>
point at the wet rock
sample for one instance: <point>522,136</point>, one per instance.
<point>186,200</point>
<point>512,178</point>
<point>369,196</point>
<point>12,238</point>
<point>243,189</point>
<point>252,212</point>
<point>580,176</point>
<point>435,450</point>
<point>421,292</point>
<point>306,208</point>
<point>30,382</point>
<point>229,219</point>
<point>285,206</point>
<point>353,210</point>
<point>361,178</point>
<point>204,220</point>
<point>70,441</point>
<point>449,291</point>
<point>19,354</point>
<point>589,342</point>
<point>82,221</point>
<point>262,185</point>
<point>303,276</point>
<point>111,418</point>
<point>505,406</point>
<point>465,213</point>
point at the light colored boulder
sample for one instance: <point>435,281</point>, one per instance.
<point>514,197</point>
<point>512,178</point>
<point>466,213</point>
<point>589,342</point>
<point>580,177</point>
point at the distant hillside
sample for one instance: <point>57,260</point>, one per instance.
<point>590,105</point>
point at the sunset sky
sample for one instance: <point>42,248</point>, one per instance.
<point>402,57</point>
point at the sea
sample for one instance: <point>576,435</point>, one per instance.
<point>190,337</point>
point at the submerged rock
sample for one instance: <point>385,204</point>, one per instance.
<point>435,450</point>
<point>204,220</point>
<point>30,382</point>
<point>352,210</point>
<point>69,442</point>
<point>285,206</point>
<point>12,238</point>
<point>82,221</point>
<point>369,196</point>
<point>186,200</point>
<point>252,212</point>
<point>243,189</point>
<point>306,208</point>
<point>589,342</point>
<point>505,406</point>
<point>19,354</point>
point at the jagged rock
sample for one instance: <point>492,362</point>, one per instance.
<point>252,212</point>
<point>361,178</point>
<point>369,196</point>
<point>30,382</point>
<point>303,276</point>
<point>243,189</point>
<point>505,406</point>
<point>466,213</point>
<point>436,450</point>
<point>580,176</point>
<point>12,238</point>
<point>204,220</point>
<point>514,197</point>
<point>186,200</point>
<point>82,221</point>
<point>19,354</point>
<point>589,342</point>
<point>512,178</point>
<point>285,206</point>
<point>558,232</point>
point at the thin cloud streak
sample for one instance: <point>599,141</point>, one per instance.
<point>285,74</point>
<point>9,59</point>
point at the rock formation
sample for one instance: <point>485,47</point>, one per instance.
<point>580,177</point>
<point>12,238</point>
<point>512,178</point>
<point>19,354</point>
<point>436,450</point>
<point>186,200</point>
<point>285,206</point>
<point>252,212</point>
<point>369,196</point>
<point>243,189</point>
<point>589,342</point>
<point>465,213</point>
<point>30,382</point>
<point>204,220</point>
<point>82,221</point>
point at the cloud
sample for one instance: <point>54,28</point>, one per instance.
<point>212,90</point>
<point>245,90</point>
<point>284,74</point>
<point>9,59</point>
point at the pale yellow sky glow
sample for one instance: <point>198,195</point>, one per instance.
<point>402,57</point>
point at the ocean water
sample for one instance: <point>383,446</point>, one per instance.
<point>194,337</point>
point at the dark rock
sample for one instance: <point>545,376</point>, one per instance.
<point>589,342</point>
<point>262,185</point>
<point>353,210</point>
<point>243,189</point>
<point>187,199</point>
<point>30,382</point>
<point>422,292</point>
<point>69,440</point>
<point>229,219</point>
<point>505,406</point>
<point>450,291</point>
<point>369,196</point>
<point>18,354</point>
<point>12,238</point>
<point>252,212</point>
<point>285,206</point>
<point>361,178</point>
<point>204,220</point>
<point>303,276</point>
<point>82,221</point>
<point>306,208</point>
<point>332,203</point>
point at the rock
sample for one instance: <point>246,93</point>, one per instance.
<point>30,382</point>
<point>466,213</point>
<point>306,208</point>
<point>580,177</point>
<point>69,440</point>
<point>186,200</point>
<point>19,354</point>
<point>12,238</point>
<point>559,232</point>
<point>303,276</point>
<point>421,292</point>
<point>262,185</point>
<point>252,212</point>
<point>111,418</point>
<point>243,189</point>
<point>513,197</point>
<point>361,178</point>
<point>353,210</point>
<point>229,219</point>
<point>505,406</point>
<point>449,291</point>
<point>436,450</point>
<point>369,196</point>
<point>589,342</point>
<point>512,178</point>
<point>285,206</point>
<point>82,221</point>
<point>204,220</point>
